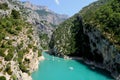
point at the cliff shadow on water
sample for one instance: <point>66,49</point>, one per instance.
<point>96,69</point>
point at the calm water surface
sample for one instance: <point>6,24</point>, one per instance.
<point>55,68</point>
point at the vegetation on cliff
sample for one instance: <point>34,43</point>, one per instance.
<point>4,6</point>
<point>106,18</point>
<point>17,42</point>
<point>64,38</point>
<point>103,15</point>
<point>24,32</point>
<point>95,36</point>
<point>2,78</point>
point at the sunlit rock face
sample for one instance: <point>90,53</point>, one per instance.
<point>22,30</point>
<point>45,13</point>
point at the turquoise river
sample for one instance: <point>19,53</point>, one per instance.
<point>55,68</point>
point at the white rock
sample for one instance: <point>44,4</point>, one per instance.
<point>7,38</point>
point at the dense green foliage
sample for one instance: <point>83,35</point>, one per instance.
<point>44,40</point>
<point>8,69</point>
<point>30,31</point>
<point>2,78</point>
<point>21,54</point>
<point>17,40</point>
<point>10,25</point>
<point>87,11</point>
<point>2,50</point>
<point>102,15</point>
<point>23,68</point>
<point>64,38</point>
<point>14,77</point>
<point>106,18</point>
<point>4,6</point>
<point>15,14</point>
<point>39,53</point>
<point>9,56</point>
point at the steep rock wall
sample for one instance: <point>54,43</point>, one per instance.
<point>73,38</point>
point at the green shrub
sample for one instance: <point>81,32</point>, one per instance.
<point>4,45</point>
<point>9,56</point>
<point>4,6</point>
<point>23,68</point>
<point>20,46</point>
<point>17,22</point>
<point>39,53</point>
<point>2,50</point>
<point>9,24</point>
<point>7,45</point>
<point>44,46</point>
<point>2,36</point>
<point>8,70</point>
<point>30,45</point>
<point>2,78</point>
<point>12,31</point>
<point>30,31</point>
<point>44,36</point>
<point>21,54</point>
<point>11,49</point>
<point>1,68</point>
<point>27,60</point>
<point>30,37</point>
<point>3,24</point>
<point>35,48</point>
<point>15,14</point>
<point>19,59</point>
<point>9,42</point>
<point>19,28</point>
<point>14,77</point>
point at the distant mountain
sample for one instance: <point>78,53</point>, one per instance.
<point>46,14</point>
<point>43,18</point>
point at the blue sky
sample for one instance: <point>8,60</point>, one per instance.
<point>69,7</point>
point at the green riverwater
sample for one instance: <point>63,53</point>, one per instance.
<point>55,68</point>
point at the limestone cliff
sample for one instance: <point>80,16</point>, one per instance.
<point>24,34</point>
<point>92,35</point>
<point>43,18</point>
<point>45,14</point>
<point>19,48</point>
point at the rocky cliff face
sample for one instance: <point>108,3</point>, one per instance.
<point>85,37</point>
<point>103,52</point>
<point>24,34</point>
<point>20,48</point>
<point>44,19</point>
<point>46,14</point>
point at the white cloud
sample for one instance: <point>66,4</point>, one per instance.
<point>57,2</point>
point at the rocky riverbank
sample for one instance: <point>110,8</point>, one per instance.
<point>33,67</point>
